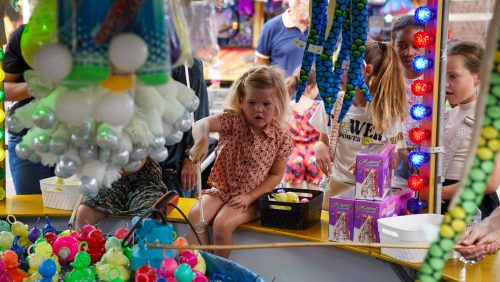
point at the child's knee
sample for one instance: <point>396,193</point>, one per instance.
<point>222,226</point>
<point>194,213</point>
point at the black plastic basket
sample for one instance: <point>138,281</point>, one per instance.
<point>299,216</point>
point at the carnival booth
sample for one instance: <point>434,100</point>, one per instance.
<point>104,101</point>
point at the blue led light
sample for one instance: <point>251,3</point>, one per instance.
<point>417,158</point>
<point>419,111</point>
<point>421,63</point>
<point>423,14</point>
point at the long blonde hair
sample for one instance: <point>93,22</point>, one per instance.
<point>262,77</point>
<point>387,85</point>
<point>292,82</point>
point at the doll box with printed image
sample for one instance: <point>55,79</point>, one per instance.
<point>366,214</point>
<point>373,172</point>
<point>341,219</point>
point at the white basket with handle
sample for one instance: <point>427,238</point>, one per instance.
<point>59,196</point>
<point>416,229</point>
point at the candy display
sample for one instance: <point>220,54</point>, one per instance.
<point>373,172</point>
<point>367,212</point>
<point>341,219</point>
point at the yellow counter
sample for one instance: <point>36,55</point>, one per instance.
<point>487,270</point>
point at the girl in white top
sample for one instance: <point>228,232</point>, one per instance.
<point>462,79</point>
<point>378,122</point>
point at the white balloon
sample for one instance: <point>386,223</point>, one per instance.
<point>73,107</point>
<point>53,61</point>
<point>115,108</point>
<point>128,52</point>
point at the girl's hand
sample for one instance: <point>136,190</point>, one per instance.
<point>241,201</point>
<point>323,157</point>
<point>199,150</point>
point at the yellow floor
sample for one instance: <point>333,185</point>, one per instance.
<point>487,270</point>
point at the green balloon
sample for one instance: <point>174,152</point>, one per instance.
<point>40,30</point>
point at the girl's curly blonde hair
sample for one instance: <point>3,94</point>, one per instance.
<point>262,77</point>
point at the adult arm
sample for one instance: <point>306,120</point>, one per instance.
<point>201,132</point>
<point>14,90</point>
<point>261,60</point>
<point>197,83</point>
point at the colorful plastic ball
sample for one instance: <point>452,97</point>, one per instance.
<point>10,258</point>
<point>50,237</point>
<point>66,248</point>
<point>181,241</point>
<point>96,239</point>
<point>6,240</point>
<point>47,268</point>
<point>145,273</point>
<point>120,233</point>
<point>43,248</point>
<point>200,277</point>
<point>188,257</point>
<point>304,200</point>
<point>168,267</point>
<point>128,52</point>
<point>4,226</point>
<point>184,273</point>
<point>112,242</point>
<point>202,265</point>
<point>84,234</point>
<point>53,61</point>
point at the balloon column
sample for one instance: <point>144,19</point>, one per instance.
<point>350,17</point>
<point>104,99</point>
<point>479,166</point>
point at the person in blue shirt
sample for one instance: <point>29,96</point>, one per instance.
<point>277,41</point>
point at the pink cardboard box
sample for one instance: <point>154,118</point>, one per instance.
<point>373,172</point>
<point>341,225</point>
<point>367,213</point>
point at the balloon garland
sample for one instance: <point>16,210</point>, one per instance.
<point>354,36</point>
<point>464,204</point>
<point>328,81</point>
<point>316,29</point>
<point>103,97</point>
<point>359,32</point>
